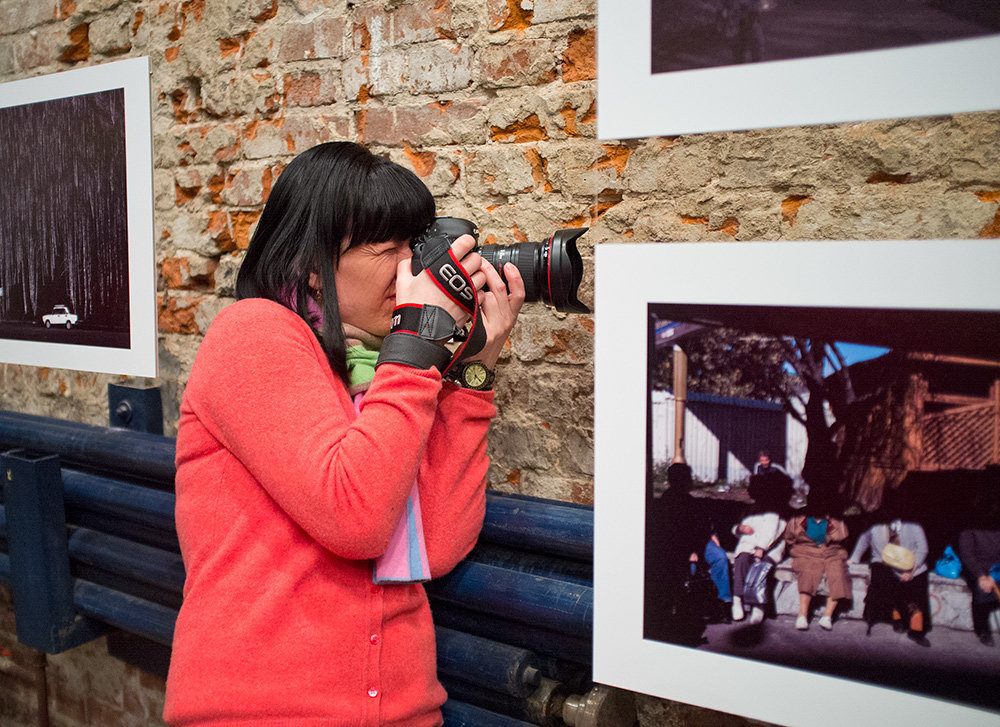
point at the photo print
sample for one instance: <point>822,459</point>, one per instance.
<point>689,34</point>
<point>77,286</point>
<point>768,443</point>
<point>669,67</point>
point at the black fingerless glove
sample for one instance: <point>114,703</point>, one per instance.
<point>416,335</point>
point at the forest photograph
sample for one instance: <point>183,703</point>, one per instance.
<point>852,422</point>
<point>64,275</point>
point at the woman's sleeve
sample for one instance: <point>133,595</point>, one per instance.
<point>262,388</point>
<point>452,478</point>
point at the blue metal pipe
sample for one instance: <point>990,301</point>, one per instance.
<point>546,644</point>
<point>490,664</point>
<point>562,606</point>
<point>147,456</point>
<point>122,500</point>
<point>460,714</point>
<point>562,569</point>
<point>134,561</point>
<point>538,525</point>
<point>129,613</point>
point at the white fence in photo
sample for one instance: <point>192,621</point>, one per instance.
<point>722,435</point>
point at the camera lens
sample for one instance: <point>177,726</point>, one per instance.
<point>552,270</point>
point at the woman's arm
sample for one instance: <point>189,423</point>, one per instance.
<point>452,476</point>
<point>261,386</point>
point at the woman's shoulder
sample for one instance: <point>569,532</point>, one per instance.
<point>253,327</point>
<point>252,318</point>
<point>261,311</point>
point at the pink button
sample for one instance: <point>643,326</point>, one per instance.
<point>374,639</point>
<point>373,692</point>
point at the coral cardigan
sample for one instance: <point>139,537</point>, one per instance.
<point>284,495</point>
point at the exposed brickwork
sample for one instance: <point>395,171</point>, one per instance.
<point>493,104</point>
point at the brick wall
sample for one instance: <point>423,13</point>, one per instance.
<point>493,105</point>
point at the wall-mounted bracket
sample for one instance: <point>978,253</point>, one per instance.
<point>139,409</point>
<point>39,555</point>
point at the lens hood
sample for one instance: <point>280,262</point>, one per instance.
<point>565,270</point>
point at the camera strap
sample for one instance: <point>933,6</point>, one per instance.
<point>416,335</point>
<point>427,321</point>
<point>439,261</point>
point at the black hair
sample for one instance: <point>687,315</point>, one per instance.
<point>331,194</point>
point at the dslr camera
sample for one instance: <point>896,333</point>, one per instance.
<point>551,270</point>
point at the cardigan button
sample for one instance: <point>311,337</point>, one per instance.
<point>373,692</point>
<point>376,589</point>
<point>374,639</point>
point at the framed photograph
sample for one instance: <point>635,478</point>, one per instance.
<point>759,403</point>
<point>669,67</point>
<point>77,266</point>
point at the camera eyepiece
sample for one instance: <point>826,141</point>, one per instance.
<point>552,270</point>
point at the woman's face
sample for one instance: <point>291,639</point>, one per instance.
<point>366,284</point>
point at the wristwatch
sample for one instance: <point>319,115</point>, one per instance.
<point>472,375</point>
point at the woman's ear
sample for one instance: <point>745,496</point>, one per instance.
<point>315,282</point>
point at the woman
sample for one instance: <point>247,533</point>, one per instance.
<point>815,542</point>
<point>760,537</point>
<point>289,492</point>
<point>896,594</point>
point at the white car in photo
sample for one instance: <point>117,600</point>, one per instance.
<point>60,316</point>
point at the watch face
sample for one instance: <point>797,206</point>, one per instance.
<point>475,374</point>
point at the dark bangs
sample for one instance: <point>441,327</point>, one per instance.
<point>391,203</point>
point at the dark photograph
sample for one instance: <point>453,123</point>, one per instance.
<point>823,492</point>
<point>64,274</point>
<point>689,34</point>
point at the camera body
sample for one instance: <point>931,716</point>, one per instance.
<point>552,270</point>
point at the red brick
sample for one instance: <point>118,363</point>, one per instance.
<point>78,48</point>
<point>579,62</point>
<point>518,63</point>
<point>527,129</point>
<point>329,37</point>
<point>301,133</point>
<point>422,21</point>
<point>176,315</point>
<point>411,123</point>
<point>308,89</point>
<point>298,42</point>
<point>220,231</point>
<point>241,223</point>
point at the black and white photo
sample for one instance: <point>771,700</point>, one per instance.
<point>76,272</point>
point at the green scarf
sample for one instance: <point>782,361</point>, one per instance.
<point>360,367</point>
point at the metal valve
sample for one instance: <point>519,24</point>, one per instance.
<point>602,706</point>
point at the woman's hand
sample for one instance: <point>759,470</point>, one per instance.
<point>499,306</point>
<point>423,290</point>
<point>746,530</point>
